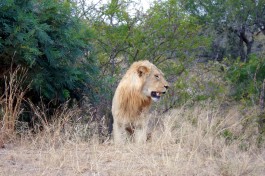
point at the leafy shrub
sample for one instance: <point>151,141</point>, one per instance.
<point>198,83</point>
<point>247,78</point>
<point>52,43</point>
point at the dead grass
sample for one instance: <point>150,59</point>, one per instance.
<point>10,102</point>
<point>201,140</point>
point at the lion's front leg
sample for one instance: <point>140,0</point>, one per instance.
<point>119,133</point>
<point>140,133</point>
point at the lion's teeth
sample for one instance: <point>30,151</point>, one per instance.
<point>158,94</point>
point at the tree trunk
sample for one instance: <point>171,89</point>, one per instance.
<point>242,50</point>
<point>248,40</point>
<point>249,47</point>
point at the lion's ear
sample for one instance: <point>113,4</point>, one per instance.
<point>142,70</point>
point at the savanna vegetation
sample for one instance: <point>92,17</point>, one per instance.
<point>60,62</point>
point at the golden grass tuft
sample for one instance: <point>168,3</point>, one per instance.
<point>10,102</point>
<point>200,140</point>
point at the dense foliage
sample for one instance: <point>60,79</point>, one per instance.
<point>52,43</point>
<point>247,79</point>
<point>232,23</point>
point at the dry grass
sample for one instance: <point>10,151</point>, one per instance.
<point>186,141</point>
<point>10,102</point>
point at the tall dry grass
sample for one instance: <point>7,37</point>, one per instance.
<point>10,102</point>
<point>200,140</point>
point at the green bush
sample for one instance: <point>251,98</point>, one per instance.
<point>54,44</point>
<point>246,79</point>
<point>199,83</point>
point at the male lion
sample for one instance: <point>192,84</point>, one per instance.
<point>142,84</point>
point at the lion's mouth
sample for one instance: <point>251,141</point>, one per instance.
<point>156,95</point>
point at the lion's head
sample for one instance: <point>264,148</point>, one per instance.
<point>155,84</point>
<point>147,79</point>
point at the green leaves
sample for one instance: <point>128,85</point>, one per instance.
<point>232,23</point>
<point>171,33</point>
<point>53,43</point>
<point>247,79</point>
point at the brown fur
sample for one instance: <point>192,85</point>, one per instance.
<point>132,100</point>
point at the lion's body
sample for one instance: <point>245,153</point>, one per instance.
<point>142,83</point>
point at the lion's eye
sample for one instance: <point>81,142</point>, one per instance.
<point>157,76</point>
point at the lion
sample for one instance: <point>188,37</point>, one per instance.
<point>142,83</point>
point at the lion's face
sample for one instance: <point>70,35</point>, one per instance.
<point>155,84</point>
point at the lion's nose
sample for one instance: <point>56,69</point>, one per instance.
<point>166,87</point>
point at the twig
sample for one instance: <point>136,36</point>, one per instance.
<point>262,96</point>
